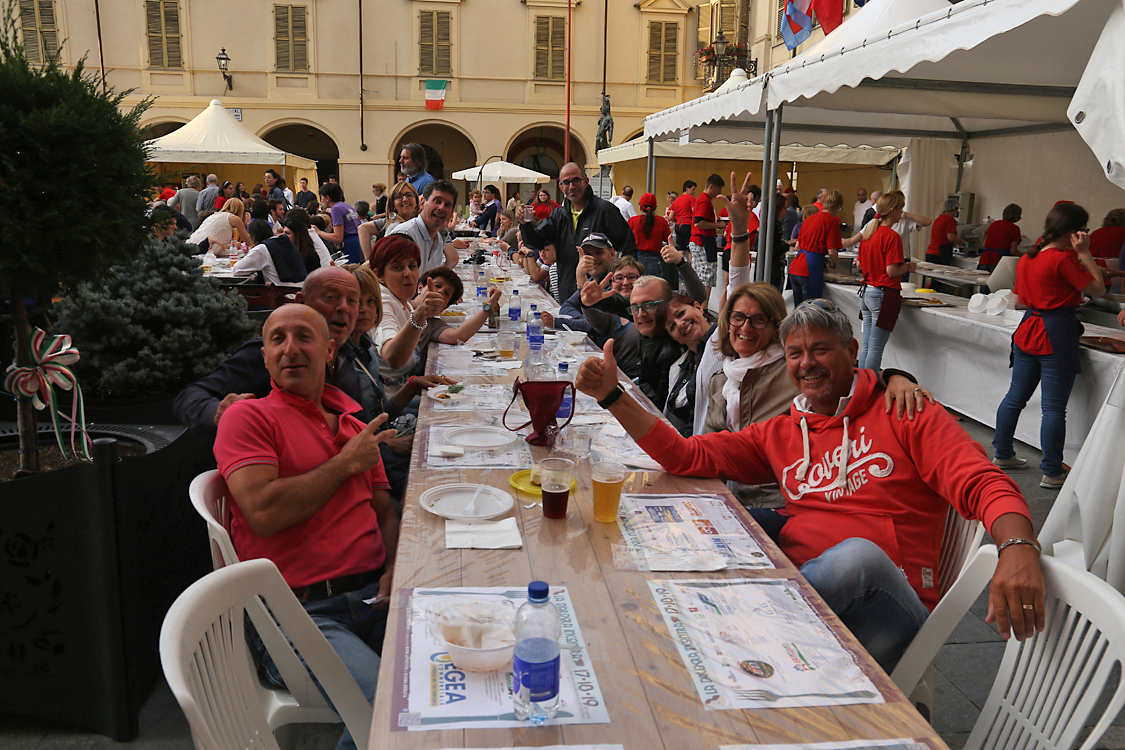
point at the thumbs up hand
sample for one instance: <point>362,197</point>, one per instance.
<point>597,377</point>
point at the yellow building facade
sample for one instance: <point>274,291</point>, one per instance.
<point>344,82</point>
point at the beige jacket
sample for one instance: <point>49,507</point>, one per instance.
<point>766,392</point>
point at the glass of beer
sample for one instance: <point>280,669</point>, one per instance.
<point>608,478</point>
<point>506,343</point>
<point>557,474</point>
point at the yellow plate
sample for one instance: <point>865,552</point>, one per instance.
<point>925,291</point>
<point>521,480</point>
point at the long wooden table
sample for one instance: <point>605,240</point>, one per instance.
<point>650,696</point>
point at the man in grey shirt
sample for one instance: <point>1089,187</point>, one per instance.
<point>207,195</point>
<point>184,200</point>
<point>439,199</point>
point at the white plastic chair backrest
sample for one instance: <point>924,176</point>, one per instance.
<point>959,541</point>
<point>209,496</point>
<point>203,651</point>
<point>208,493</point>
<point>1048,685</point>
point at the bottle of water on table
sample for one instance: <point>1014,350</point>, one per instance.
<point>567,399</point>
<point>536,666</point>
<point>482,290</point>
<point>535,341</point>
<point>515,310</point>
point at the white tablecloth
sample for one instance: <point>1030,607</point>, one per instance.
<point>962,358</point>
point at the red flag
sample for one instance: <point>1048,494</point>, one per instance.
<point>830,13</point>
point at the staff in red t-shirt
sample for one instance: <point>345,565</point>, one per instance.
<point>820,235</point>
<point>881,259</point>
<point>703,248</point>
<point>1050,281</point>
<point>1002,239</point>
<point>681,216</point>
<point>943,234</point>
<point>651,233</point>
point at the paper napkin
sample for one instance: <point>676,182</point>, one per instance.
<point>503,534</point>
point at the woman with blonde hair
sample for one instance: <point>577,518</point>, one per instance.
<point>218,230</point>
<point>403,205</point>
<point>883,264</point>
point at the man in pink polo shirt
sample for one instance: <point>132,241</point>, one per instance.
<point>310,493</point>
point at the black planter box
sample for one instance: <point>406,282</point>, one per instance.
<point>91,557</point>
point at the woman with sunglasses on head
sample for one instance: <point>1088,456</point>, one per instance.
<point>402,206</point>
<point>681,319</point>
<point>881,259</point>
<point>1050,280</point>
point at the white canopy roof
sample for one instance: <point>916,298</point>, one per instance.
<point>745,150</point>
<point>500,171</point>
<point>898,69</point>
<point>215,137</point>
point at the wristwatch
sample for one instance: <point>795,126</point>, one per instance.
<point>611,399</point>
<point>739,237</point>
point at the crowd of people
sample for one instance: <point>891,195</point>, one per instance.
<point>849,467</point>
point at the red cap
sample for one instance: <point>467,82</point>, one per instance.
<point>647,200</point>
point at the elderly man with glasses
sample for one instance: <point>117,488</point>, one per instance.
<point>866,494</point>
<point>581,214</point>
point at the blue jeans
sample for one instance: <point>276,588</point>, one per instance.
<point>1028,370</point>
<point>800,287</point>
<point>874,338</point>
<point>355,631</point>
<point>653,263</point>
<point>865,589</point>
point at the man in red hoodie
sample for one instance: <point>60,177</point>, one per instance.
<point>866,494</point>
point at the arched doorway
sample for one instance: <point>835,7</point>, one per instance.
<point>310,142</point>
<point>541,148</point>
<point>448,150</point>
<point>160,129</point>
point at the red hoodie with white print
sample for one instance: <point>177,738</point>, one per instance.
<point>861,473</point>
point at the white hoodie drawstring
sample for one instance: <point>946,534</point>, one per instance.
<point>846,449</point>
<point>803,468</point>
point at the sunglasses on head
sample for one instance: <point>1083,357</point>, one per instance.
<point>823,304</point>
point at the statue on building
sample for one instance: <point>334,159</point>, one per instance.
<point>605,126</point>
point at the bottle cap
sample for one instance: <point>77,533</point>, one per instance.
<point>537,591</point>
<point>563,367</point>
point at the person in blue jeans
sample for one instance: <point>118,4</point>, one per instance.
<point>1050,282</point>
<point>881,258</point>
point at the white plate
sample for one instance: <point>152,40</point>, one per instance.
<point>444,389</point>
<point>480,437</point>
<point>450,500</point>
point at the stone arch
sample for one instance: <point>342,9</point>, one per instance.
<point>307,139</point>
<point>449,147</point>
<point>638,133</point>
<point>540,147</point>
<point>161,127</point>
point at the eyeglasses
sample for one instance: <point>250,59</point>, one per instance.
<point>823,304</point>
<point>628,277</point>
<point>647,307</point>
<point>736,318</point>
<point>573,181</point>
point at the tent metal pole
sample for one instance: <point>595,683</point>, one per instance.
<point>767,142</point>
<point>771,187</point>
<point>650,173</point>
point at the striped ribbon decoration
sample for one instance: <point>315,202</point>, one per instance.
<point>51,357</point>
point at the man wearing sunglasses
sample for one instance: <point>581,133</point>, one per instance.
<point>581,214</point>
<point>866,494</point>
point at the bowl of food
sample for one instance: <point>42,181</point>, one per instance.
<point>571,338</point>
<point>479,635</point>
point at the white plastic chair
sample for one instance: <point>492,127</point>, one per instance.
<point>302,702</point>
<point>1047,686</point>
<point>208,668</point>
<point>960,539</point>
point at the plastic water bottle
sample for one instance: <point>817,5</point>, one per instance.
<point>515,309</point>
<point>535,342</point>
<point>536,666</point>
<point>567,400</point>
<point>482,290</point>
<point>530,312</point>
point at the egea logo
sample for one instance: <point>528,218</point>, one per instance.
<point>441,658</point>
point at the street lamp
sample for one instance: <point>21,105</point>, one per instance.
<point>720,44</point>
<point>223,59</point>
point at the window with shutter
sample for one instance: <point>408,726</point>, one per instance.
<point>163,20</point>
<point>743,26</point>
<point>550,48</point>
<point>40,32</point>
<point>435,42</point>
<point>663,39</point>
<point>780,18</point>
<point>703,36</point>
<point>291,37</point>
<point>728,18</point>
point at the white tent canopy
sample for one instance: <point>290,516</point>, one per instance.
<point>215,137</point>
<point>501,171</point>
<point>746,150</point>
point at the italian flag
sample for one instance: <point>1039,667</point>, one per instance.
<point>435,94</point>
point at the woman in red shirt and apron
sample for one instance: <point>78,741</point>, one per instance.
<point>1002,239</point>
<point>820,236</point>
<point>883,264</point>
<point>1050,282</point>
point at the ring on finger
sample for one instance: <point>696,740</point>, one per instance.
<point>1029,606</point>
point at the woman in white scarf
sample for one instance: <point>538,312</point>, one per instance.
<point>753,384</point>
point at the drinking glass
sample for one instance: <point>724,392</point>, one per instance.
<point>556,476</point>
<point>608,477</point>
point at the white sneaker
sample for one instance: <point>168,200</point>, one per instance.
<point>1010,463</point>
<point>1053,483</point>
